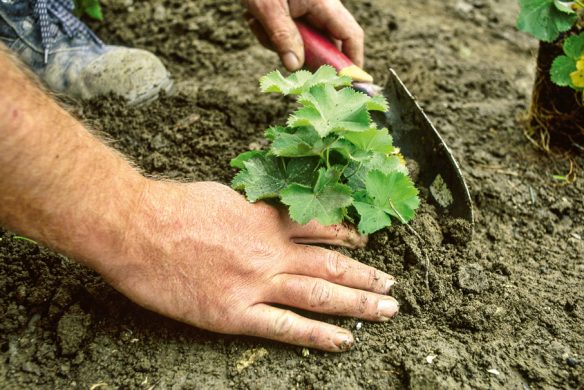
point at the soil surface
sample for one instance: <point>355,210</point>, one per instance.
<point>505,310</point>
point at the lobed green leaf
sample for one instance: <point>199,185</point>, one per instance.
<point>358,170</point>
<point>295,142</point>
<point>372,140</point>
<point>239,161</point>
<point>544,19</point>
<point>265,176</point>
<point>302,80</point>
<point>393,195</point>
<point>372,218</point>
<point>561,69</point>
<point>574,46</point>
<point>326,202</point>
<point>328,110</point>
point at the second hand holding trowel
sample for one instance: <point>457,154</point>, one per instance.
<point>411,129</point>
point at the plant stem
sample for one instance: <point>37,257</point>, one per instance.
<point>26,239</point>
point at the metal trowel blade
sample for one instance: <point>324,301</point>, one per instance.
<point>419,140</point>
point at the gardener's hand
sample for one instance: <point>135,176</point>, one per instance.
<point>201,254</point>
<point>272,22</point>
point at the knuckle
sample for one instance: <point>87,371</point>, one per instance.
<point>362,302</point>
<point>282,324</point>
<point>280,36</point>
<point>313,334</point>
<point>374,279</point>
<point>268,7</point>
<point>320,294</point>
<point>262,253</point>
<point>336,266</point>
<point>265,211</point>
<point>332,5</point>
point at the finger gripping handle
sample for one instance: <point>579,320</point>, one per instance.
<point>319,50</point>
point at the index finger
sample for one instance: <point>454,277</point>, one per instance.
<point>337,21</point>
<point>337,268</point>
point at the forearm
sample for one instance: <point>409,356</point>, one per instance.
<point>58,183</point>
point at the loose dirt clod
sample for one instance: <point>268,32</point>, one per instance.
<point>249,357</point>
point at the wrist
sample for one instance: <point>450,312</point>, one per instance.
<point>135,244</point>
<point>105,226</point>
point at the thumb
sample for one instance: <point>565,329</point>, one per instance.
<point>274,16</point>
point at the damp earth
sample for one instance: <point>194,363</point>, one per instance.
<point>504,310</point>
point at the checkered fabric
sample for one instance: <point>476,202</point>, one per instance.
<point>53,12</point>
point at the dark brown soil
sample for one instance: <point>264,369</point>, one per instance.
<point>506,310</point>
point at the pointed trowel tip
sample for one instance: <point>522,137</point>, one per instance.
<point>356,74</point>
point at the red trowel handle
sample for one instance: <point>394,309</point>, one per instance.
<point>319,50</point>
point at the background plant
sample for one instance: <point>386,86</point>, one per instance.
<point>91,8</point>
<point>330,162</point>
<point>546,20</point>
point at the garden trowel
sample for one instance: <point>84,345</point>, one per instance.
<point>411,129</point>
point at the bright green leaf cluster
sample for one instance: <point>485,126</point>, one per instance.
<point>330,162</point>
<point>90,8</point>
<point>568,70</point>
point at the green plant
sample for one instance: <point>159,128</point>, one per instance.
<point>546,20</point>
<point>330,162</point>
<point>568,70</point>
<point>90,8</point>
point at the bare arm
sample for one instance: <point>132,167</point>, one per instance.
<point>58,183</point>
<point>198,253</point>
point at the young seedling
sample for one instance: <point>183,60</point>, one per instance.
<point>330,162</point>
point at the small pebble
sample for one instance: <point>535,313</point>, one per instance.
<point>572,362</point>
<point>359,325</point>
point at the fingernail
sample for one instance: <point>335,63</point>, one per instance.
<point>356,239</point>
<point>343,341</point>
<point>290,61</point>
<point>389,284</point>
<point>387,308</point>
